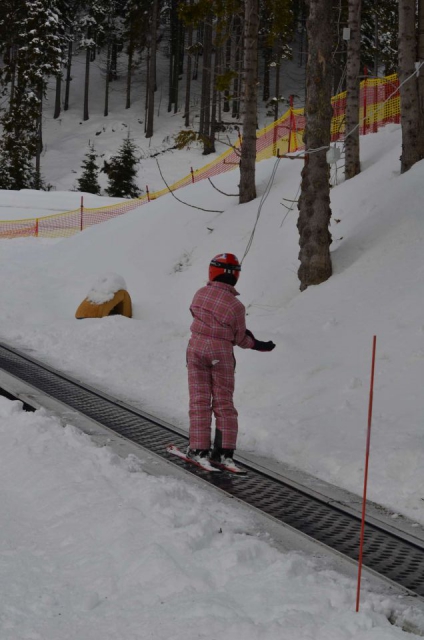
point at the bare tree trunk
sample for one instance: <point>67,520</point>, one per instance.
<point>267,55</point>
<point>205,104</point>
<point>214,100</point>
<point>13,76</point>
<point>250,81</point>
<point>227,68</point>
<point>376,38</point>
<point>114,60</point>
<point>314,203</point>
<point>352,160</point>
<point>177,59</point>
<point>39,148</point>
<point>409,117</point>
<point>87,81</point>
<point>420,53</point>
<point>146,102</point>
<point>303,39</point>
<point>188,75</point>
<point>57,101</point>
<point>152,70</point>
<point>237,57</point>
<point>68,72</point>
<point>108,75</point>
<point>277,79</point>
<point>129,71</point>
<point>173,52</point>
<point>196,57</point>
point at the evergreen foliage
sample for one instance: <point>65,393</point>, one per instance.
<point>19,141</point>
<point>121,171</point>
<point>380,35</point>
<point>88,182</point>
<point>31,38</point>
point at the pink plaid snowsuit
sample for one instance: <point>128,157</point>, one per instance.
<point>219,323</point>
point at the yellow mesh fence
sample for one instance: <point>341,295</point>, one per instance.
<point>379,105</point>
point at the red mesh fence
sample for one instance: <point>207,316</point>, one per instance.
<point>379,105</point>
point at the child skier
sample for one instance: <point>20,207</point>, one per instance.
<point>219,323</point>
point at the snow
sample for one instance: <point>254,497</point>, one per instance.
<point>95,547</point>
<point>105,288</point>
<point>92,546</point>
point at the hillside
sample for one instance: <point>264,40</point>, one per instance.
<point>305,403</point>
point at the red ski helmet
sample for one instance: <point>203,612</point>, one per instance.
<point>224,263</point>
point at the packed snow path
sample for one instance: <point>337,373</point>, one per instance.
<point>398,558</point>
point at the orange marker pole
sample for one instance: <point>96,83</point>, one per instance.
<point>365,89</point>
<point>290,123</point>
<point>367,455</point>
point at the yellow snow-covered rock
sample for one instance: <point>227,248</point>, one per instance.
<point>108,296</point>
<point>120,304</point>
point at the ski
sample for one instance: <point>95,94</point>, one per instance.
<point>206,465</point>
<point>233,468</point>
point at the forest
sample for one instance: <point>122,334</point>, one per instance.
<point>232,52</point>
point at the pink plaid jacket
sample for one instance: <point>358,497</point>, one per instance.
<point>219,315</point>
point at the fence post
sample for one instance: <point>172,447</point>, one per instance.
<point>290,123</point>
<point>148,193</point>
<point>36,227</point>
<point>294,132</point>
<point>397,115</point>
<point>365,100</point>
<point>375,111</point>
<point>192,174</point>
<point>274,138</point>
<point>82,214</point>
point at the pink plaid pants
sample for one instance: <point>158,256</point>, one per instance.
<point>211,367</point>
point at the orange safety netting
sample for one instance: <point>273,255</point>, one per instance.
<point>379,105</point>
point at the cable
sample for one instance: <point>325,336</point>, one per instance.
<point>290,209</point>
<point>261,204</point>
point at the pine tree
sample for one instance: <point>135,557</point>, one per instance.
<point>91,25</point>
<point>88,182</point>
<point>31,30</point>
<point>18,144</point>
<point>121,171</point>
<point>379,33</point>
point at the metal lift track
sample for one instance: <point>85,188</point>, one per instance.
<point>399,559</point>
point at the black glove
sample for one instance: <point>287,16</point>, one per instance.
<point>263,346</point>
<point>249,333</point>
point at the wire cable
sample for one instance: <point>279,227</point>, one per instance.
<point>261,204</point>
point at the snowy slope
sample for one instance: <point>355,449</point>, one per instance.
<point>305,403</point>
<point>93,548</point>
